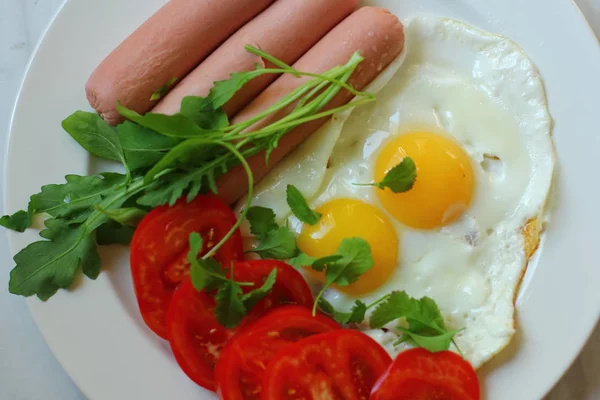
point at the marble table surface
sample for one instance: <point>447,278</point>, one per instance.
<point>28,371</point>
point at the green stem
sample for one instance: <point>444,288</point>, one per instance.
<point>237,224</point>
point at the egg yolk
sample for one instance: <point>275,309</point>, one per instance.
<point>346,218</point>
<point>444,185</point>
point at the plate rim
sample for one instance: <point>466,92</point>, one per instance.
<point>32,301</point>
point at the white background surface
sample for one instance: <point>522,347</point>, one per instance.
<point>28,370</point>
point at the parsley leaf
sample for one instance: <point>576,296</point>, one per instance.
<point>426,326</point>
<point>301,260</point>
<point>279,244</point>
<point>300,207</point>
<point>355,316</point>
<point>95,135</point>
<point>355,260</point>
<point>254,296</point>
<point>164,89</point>
<point>400,178</point>
<point>262,220</point>
<point>201,111</point>
<point>275,241</point>
<point>18,221</point>
<point>205,274</point>
<point>45,266</point>
<point>230,308</point>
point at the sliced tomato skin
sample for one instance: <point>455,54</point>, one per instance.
<point>243,361</point>
<point>160,245</point>
<point>339,365</point>
<point>420,374</point>
<point>193,331</point>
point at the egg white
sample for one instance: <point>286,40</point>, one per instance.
<point>482,90</point>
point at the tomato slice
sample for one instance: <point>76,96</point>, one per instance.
<point>339,365</point>
<point>160,245</point>
<point>241,367</point>
<point>418,374</point>
<point>197,338</point>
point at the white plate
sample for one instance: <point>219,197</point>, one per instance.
<point>96,331</point>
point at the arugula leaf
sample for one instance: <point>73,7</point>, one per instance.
<point>426,326</point>
<point>113,232</point>
<point>176,125</point>
<point>129,216</point>
<point>201,111</point>
<point>355,316</point>
<point>400,178</point>
<point>223,91</point>
<point>300,207</point>
<point>262,220</point>
<point>143,147</point>
<point>45,266</point>
<point>19,221</point>
<point>277,244</point>
<point>73,200</point>
<point>164,89</point>
<point>95,135</point>
<point>254,296</point>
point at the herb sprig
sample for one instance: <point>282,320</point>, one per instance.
<point>185,154</point>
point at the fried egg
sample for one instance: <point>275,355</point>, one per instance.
<point>469,108</point>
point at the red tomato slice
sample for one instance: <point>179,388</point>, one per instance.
<point>339,365</point>
<point>196,337</point>
<point>160,245</point>
<point>418,374</point>
<point>241,367</point>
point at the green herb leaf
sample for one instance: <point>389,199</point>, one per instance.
<point>205,274</point>
<point>112,232</point>
<point>177,125</point>
<point>164,89</point>
<point>45,266</point>
<point>95,135</point>
<point>356,260</point>
<point>301,260</point>
<point>321,263</point>
<point>353,259</point>
<point>199,110</point>
<point>426,326</point>
<point>262,221</point>
<point>230,308</point>
<point>433,343</point>
<point>254,296</point>
<point>279,244</point>
<point>355,316</point>
<point>143,147</point>
<point>19,221</point>
<point>73,200</point>
<point>300,207</point>
<point>129,216</point>
<point>223,91</point>
<point>401,178</point>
